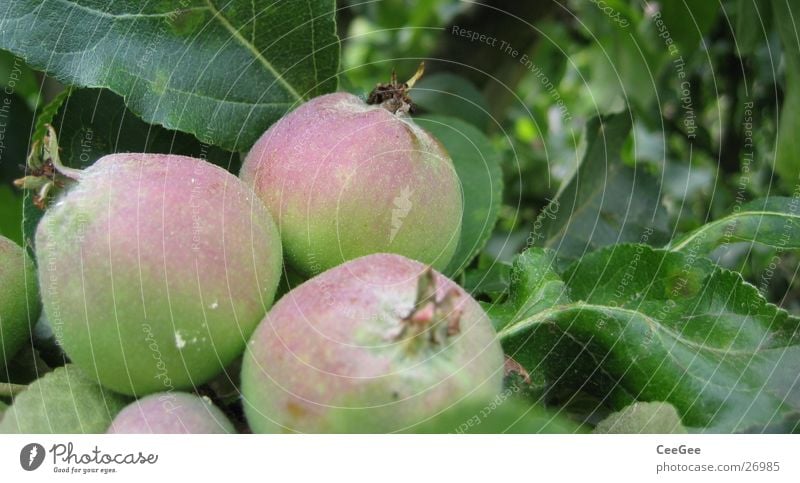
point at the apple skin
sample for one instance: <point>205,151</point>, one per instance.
<point>344,179</point>
<point>19,299</point>
<point>328,352</point>
<point>171,413</point>
<point>156,269</point>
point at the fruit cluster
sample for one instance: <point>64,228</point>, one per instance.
<point>157,275</point>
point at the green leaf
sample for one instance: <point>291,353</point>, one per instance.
<point>787,148</point>
<point>223,71</point>
<point>478,167</point>
<point>3,407</point>
<point>649,324</point>
<point>17,78</point>
<point>688,22</point>
<point>63,401</point>
<point>785,14</point>
<point>30,214</point>
<point>48,113</point>
<point>534,286</point>
<point>643,418</point>
<point>91,123</point>
<point>748,30</point>
<point>503,414</point>
<point>605,202</point>
<point>770,221</point>
<point>491,277</point>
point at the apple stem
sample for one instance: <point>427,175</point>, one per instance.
<point>417,75</point>
<point>50,151</point>
<point>431,321</point>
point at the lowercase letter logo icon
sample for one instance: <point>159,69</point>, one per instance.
<point>31,456</point>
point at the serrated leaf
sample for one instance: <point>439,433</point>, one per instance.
<point>643,418</point>
<point>91,123</point>
<point>605,202</point>
<point>534,286</point>
<point>478,168</point>
<point>223,71</point>
<point>63,401</point>
<point>771,221</point>
<point>649,324</point>
<point>30,214</point>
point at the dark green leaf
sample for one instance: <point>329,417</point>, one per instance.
<point>771,221</point>
<point>643,418</point>
<point>91,123</point>
<point>651,324</point>
<point>63,401</point>
<point>223,71</point>
<point>491,277</point>
<point>478,168</point>
<point>605,202</point>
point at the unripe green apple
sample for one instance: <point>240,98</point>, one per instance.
<point>156,269</point>
<point>345,179</point>
<point>380,339</point>
<point>19,299</point>
<point>171,413</point>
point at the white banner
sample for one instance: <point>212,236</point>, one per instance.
<point>400,458</point>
